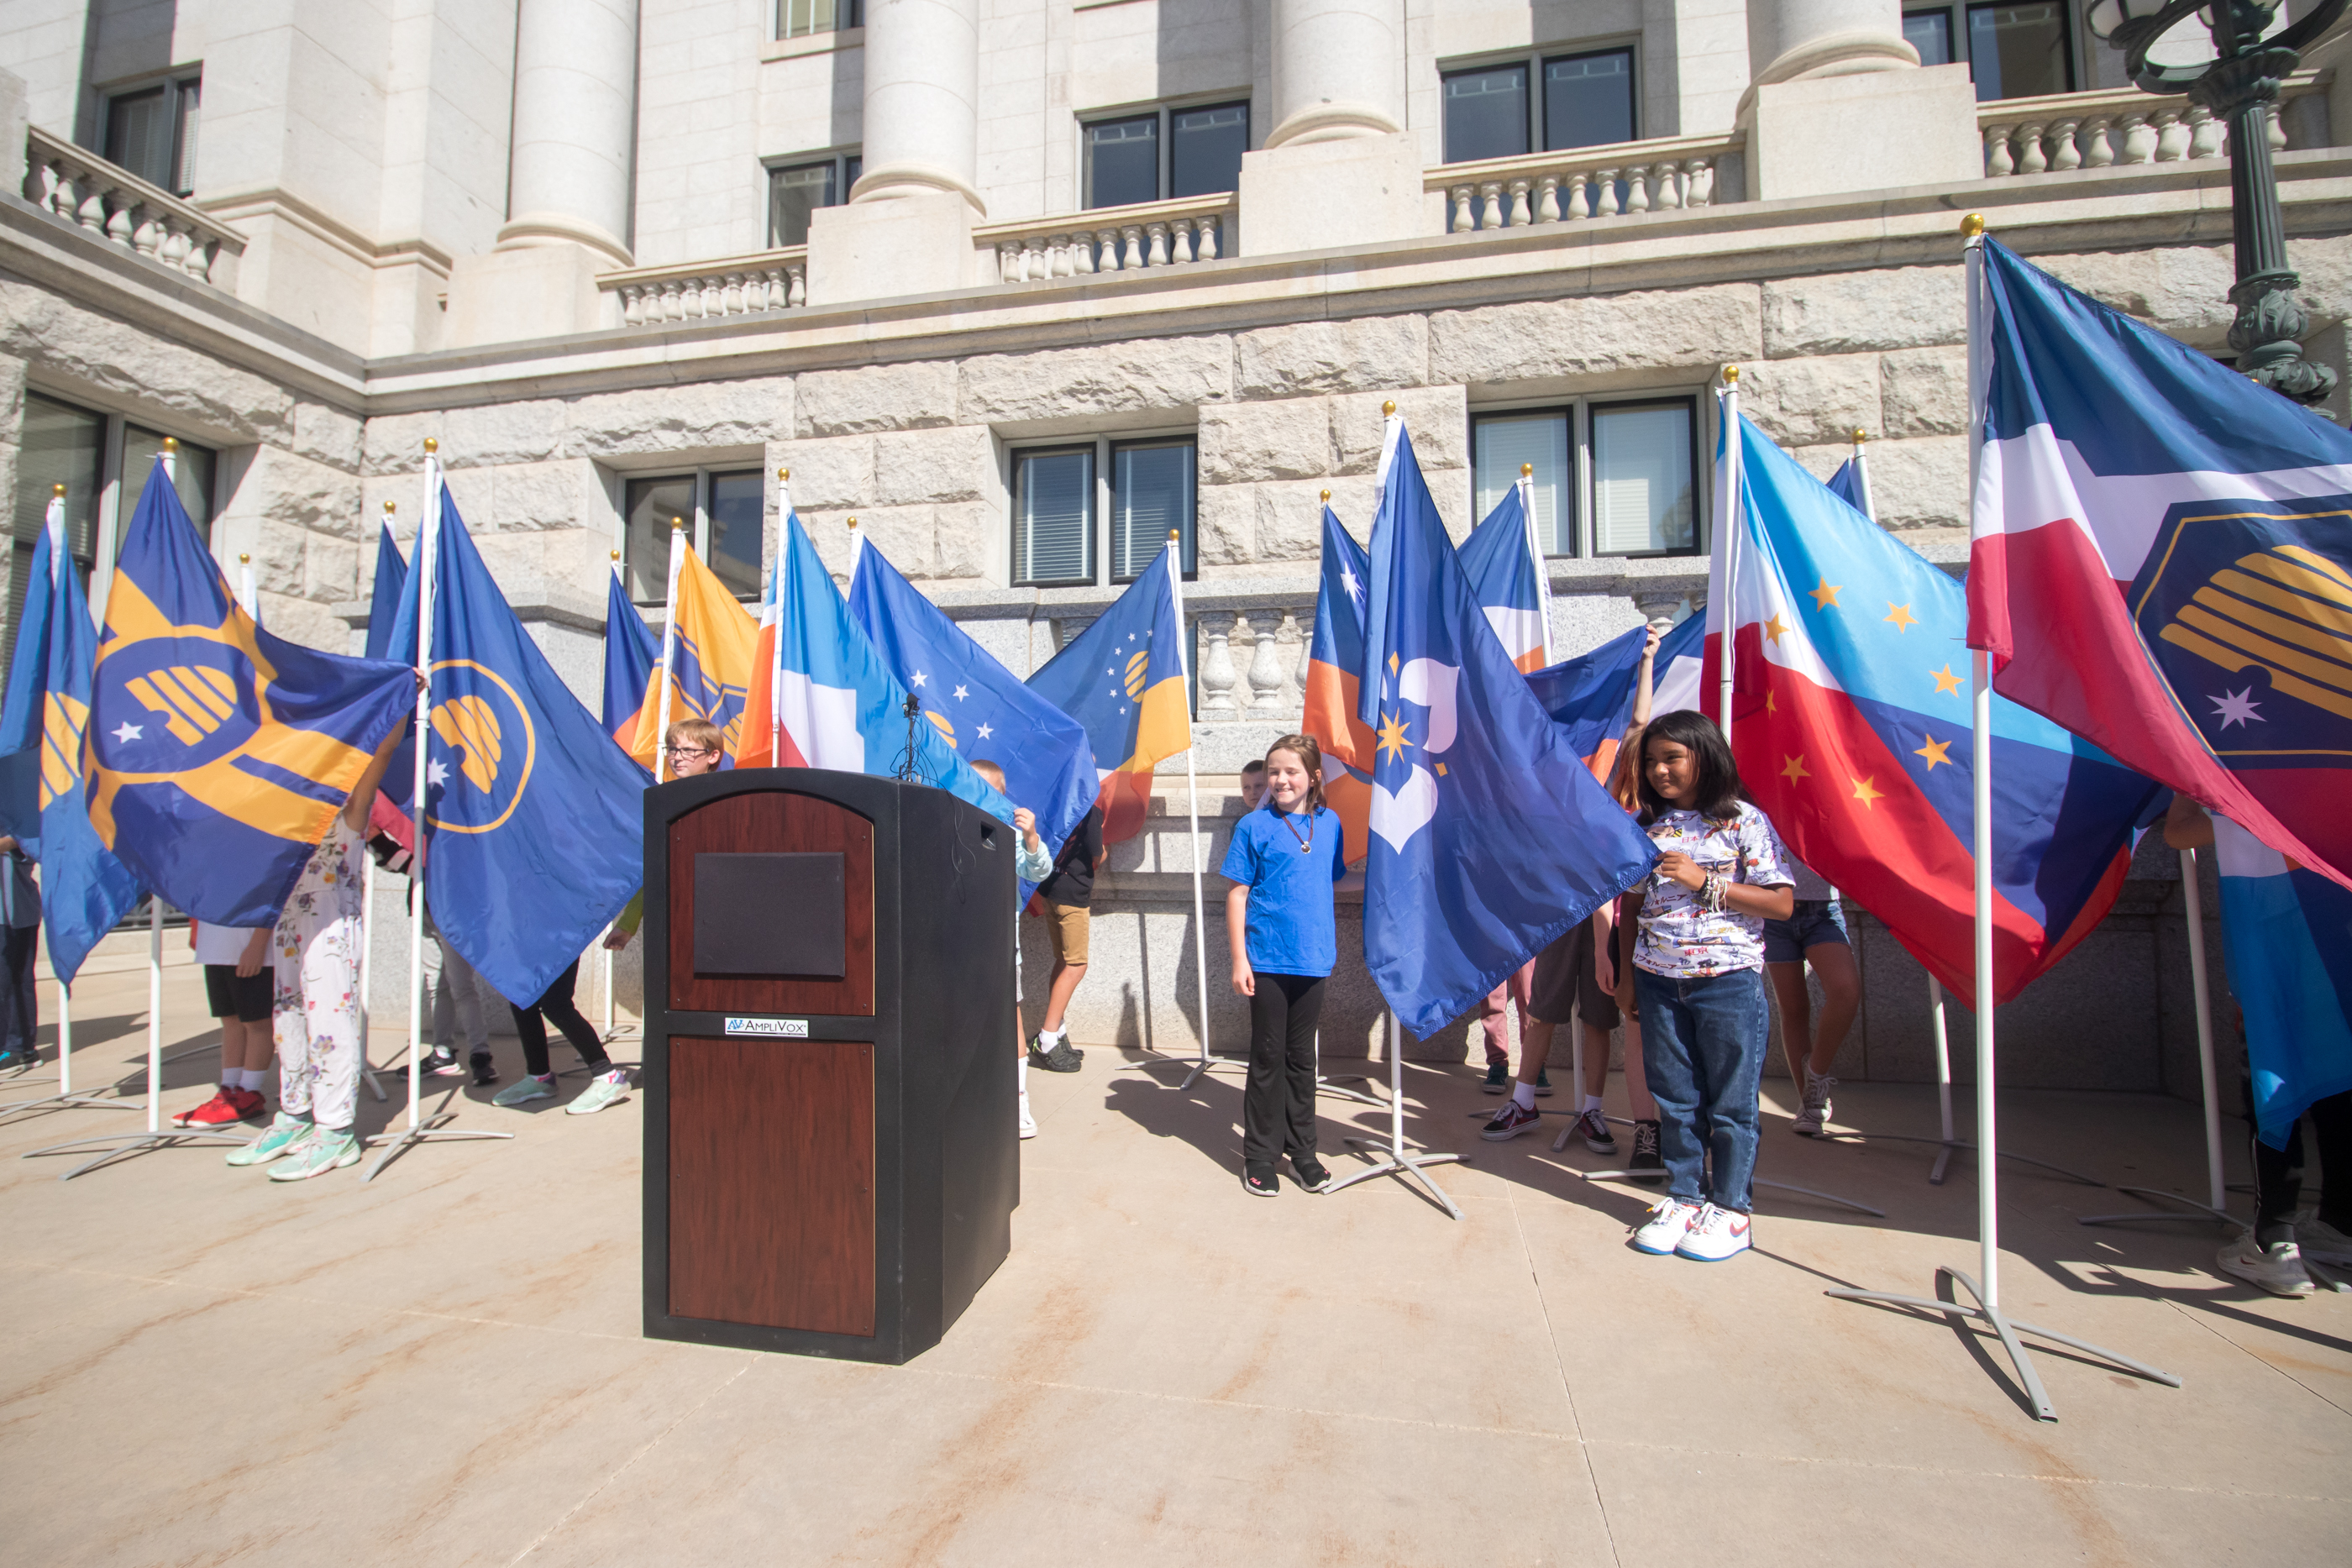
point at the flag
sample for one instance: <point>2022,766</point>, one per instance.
<point>981,708</point>
<point>1592,695</point>
<point>1506,574</point>
<point>534,825</point>
<point>1123,679</point>
<point>1333,660</point>
<point>85,889</point>
<point>2288,943</point>
<point>840,705</point>
<point>1846,486</point>
<point>1489,839</point>
<point>2159,561</point>
<point>1851,729</point>
<point>383,600</point>
<point>713,655</point>
<point>217,754</point>
<point>630,655</point>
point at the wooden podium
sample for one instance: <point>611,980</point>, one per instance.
<point>831,1156</point>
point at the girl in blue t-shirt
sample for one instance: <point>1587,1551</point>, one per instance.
<point>1284,864</point>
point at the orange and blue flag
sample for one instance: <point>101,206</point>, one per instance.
<point>217,754</point>
<point>1850,725</point>
<point>1123,679</point>
<point>1333,659</point>
<point>630,655</point>
<point>713,653</point>
<point>85,889</point>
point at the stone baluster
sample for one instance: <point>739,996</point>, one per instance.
<point>1217,674</point>
<point>1082,254</point>
<point>1605,202</point>
<point>1291,695</point>
<point>1702,182</point>
<point>1462,221</point>
<point>673,301</point>
<point>1521,215</point>
<point>1658,608</point>
<point>148,235</point>
<point>1131,254</point>
<point>2097,145</point>
<point>1180,242</point>
<point>93,213</point>
<point>799,275</point>
<point>1999,164</point>
<point>2031,157</point>
<point>2139,138</point>
<point>2064,153</point>
<point>2171,136</point>
<point>1670,178</point>
<point>731,299</point>
<point>1265,674</point>
<point>2204,132</point>
<point>1204,247</point>
<point>2278,128</point>
<point>1035,263</point>
<point>1156,251</point>
<point>174,242</point>
<point>630,315</point>
<point>1547,199</point>
<point>1580,194</point>
<point>1490,208</point>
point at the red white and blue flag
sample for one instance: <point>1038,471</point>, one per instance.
<point>1504,566</point>
<point>1592,694</point>
<point>1850,725</point>
<point>2161,561</point>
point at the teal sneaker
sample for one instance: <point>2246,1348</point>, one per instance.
<point>283,1134</point>
<point>525,1090</point>
<point>602,1090</point>
<point>322,1153</point>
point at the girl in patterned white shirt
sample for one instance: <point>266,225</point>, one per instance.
<point>1697,977</point>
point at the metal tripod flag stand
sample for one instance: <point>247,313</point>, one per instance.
<point>1396,1159</point>
<point>421,1128</point>
<point>1986,1286</point>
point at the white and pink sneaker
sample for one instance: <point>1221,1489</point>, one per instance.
<point>1663,1230</point>
<point>1714,1235</point>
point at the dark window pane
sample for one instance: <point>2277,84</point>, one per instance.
<point>647,506</point>
<point>1930,33</point>
<point>1485,114</point>
<point>138,133</point>
<point>854,165</point>
<point>1641,479</point>
<point>799,18</point>
<point>1588,100</point>
<point>1123,161</point>
<point>2019,51</point>
<point>60,445</point>
<point>793,192</point>
<point>739,507</point>
<point>192,476</point>
<point>1501,443</point>
<point>1054,516</point>
<point>1151,493</point>
<point>1205,148</point>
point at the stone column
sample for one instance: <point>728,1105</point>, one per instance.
<point>1828,77</point>
<point>1337,168</point>
<point>568,177</point>
<point>906,228</point>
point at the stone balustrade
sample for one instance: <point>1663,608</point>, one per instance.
<point>1616,180</point>
<point>119,206</point>
<point>1254,663</point>
<point>2111,128</point>
<point>1110,239</point>
<point>732,285</point>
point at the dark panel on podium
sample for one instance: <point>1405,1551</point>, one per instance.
<point>771,822</point>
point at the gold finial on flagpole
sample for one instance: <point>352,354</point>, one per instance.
<point>1326,497</point>
<point>58,491</point>
<point>677,523</point>
<point>853,524</point>
<point>432,445</point>
<point>1388,409</point>
<point>1731,375</point>
<point>171,443</point>
<point>244,560</point>
<point>616,555</point>
<point>1173,537</point>
<point>1972,225</point>
<point>390,508</point>
<point>1860,435</point>
<point>1527,470</point>
<point>784,474</point>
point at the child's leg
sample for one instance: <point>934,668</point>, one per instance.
<point>1730,1035</point>
<point>531,1029</point>
<point>1841,1000</point>
<point>1261,1118</point>
<point>558,1007</point>
<point>1796,1004</point>
<point>1069,927</point>
<point>1637,1077</point>
<point>1666,1029</point>
<point>1304,997</point>
<point>290,1034</point>
<point>330,986</point>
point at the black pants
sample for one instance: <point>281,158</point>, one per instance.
<point>556,1008</point>
<point>1279,1106</point>
<point>20,1010</point>
<point>2278,1172</point>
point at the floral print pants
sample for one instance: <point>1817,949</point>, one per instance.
<point>317,963</point>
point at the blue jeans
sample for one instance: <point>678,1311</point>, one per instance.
<point>1703,1046</point>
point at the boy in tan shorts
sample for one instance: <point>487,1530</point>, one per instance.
<point>1067,895</point>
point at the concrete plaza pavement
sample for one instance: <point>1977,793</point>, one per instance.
<point>445,1366</point>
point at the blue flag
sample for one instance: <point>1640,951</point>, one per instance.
<point>533,832</point>
<point>1846,486</point>
<point>631,652</point>
<point>979,707</point>
<point>85,891</point>
<point>384,603</point>
<point>218,754</point>
<point>1489,838</point>
<point>1592,694</point>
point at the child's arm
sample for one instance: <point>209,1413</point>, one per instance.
<point>250,964</point>
<point>1605,926</point>
<point>1773,902</point>
<point>1237,939</point>
<point>1631,916</point>
<point>1643,684</point>
<point>2187,826</point>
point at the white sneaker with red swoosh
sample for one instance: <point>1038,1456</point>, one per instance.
<point>1714,1235</point>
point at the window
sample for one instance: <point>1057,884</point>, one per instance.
<point>151,131</point>
<point>192,476</point>
<point>727,513</point>
<point>1586,100</point>
<point>800,18</point>
<point>796,189</point>
<point>2010,51</point>
<point>1610,478</point>
<point>1192,149</point>
<point>1141,489</point>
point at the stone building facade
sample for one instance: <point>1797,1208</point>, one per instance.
<point>935,258</point>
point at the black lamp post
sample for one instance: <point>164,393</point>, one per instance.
<point>2239,86</point>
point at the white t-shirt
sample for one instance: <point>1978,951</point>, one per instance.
<point>223,944</point>
<point>1678,938</point>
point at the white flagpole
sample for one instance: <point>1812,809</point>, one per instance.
<point>1193,807</point>
<point>1730,519</point>
<point>776,591</point>
<point>2193,894</point>
<point>606,951</point>
<point>1986,1286</point>
<point>1535,553</point>
<point>1862,474</point>
<point>669,648</point>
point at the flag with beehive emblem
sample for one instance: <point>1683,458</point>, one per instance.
<point>2160,560</point>
<point>1850,725</point>
<point>1123,679</point>
<point>713,660</point>
<point>534,825</point>
<point>217,754</point>
<point>85,889</point>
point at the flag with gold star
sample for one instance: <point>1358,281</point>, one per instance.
<point>1850,725</point>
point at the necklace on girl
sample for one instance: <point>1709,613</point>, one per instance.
<point>1307,844</point>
